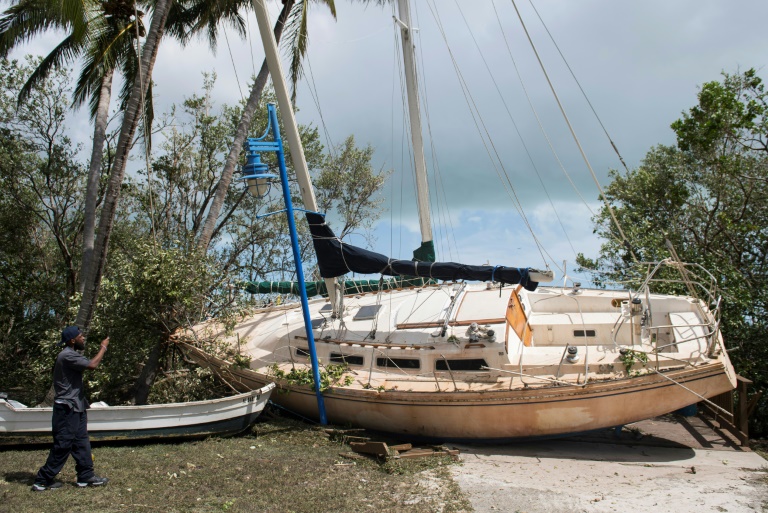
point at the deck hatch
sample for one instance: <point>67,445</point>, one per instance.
<point>317,323</point>
<point>367,312</point>
<point>347,358</point>
<point>464,364</point>
<point>327,308</point>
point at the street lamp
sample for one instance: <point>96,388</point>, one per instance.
<point>259,183</point>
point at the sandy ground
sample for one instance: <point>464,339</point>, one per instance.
<point>594,476</point>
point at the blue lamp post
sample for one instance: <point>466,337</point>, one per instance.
<point>259,182</point>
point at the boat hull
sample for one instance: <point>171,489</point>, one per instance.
<point>225,416</point>
<point>498,415</point>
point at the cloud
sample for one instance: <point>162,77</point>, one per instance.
<point>640,64</point>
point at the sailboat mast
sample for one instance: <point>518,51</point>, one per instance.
<point>412,90</point>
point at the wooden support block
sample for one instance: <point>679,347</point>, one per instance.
<point>426,453</point>
<point>375,448</point>
<point>358,439</point>
<point>401,447</point>
<point>418,453</point>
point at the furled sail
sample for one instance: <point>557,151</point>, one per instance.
<point>335,258</point>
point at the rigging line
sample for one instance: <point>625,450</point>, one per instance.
<point>231,57</point>
<point>474,111</point>
<point>443,207</point>
<point>486,139</point>
<point>465,92</point>
<point>399,67</point>
<point>250,43</point>
<point>312,86</point>
<point>147,132</point>
<point>517,129</point>
<point>576,139</point>
<point>416,305</point>
<point>536,114</point>
<point>580,88</point>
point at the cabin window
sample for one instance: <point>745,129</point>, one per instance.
<point>402,363</point>
<point>304,353</point>
<point>465,364</point>
<point>367,312</point>
<point>346,358</point>
<point>583,333</point>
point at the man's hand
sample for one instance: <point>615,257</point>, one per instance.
<point>102,351</point>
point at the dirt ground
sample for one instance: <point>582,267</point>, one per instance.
<point>679,465</point>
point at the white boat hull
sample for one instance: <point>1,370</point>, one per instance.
<point>224,416</point>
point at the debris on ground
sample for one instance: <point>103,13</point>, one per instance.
<point>399,451</point>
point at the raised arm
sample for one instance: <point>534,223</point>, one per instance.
<point>96,360</point>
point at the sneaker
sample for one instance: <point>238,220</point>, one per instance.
<point>92,481</point>
<point>41,487</point>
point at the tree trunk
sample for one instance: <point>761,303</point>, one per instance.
<point>94,173</point>
<point>147,377</point>
<point>240,135</point>
<point>94,272</point>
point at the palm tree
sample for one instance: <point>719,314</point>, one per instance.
<point>104,34</point>
<point>138,92</point>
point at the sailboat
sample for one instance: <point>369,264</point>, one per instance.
<point>475,352</point>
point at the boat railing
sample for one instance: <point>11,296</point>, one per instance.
<point>564,356</point>
<point>693,275</point>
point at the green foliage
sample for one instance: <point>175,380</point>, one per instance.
<point>148,292</point>
<point>186,385</point>
<point>347,185</point>
<point>155,280</point>
<point>40,227</point>
<point>709,197</point>
<point>330,375</point>
<point>630,357</point>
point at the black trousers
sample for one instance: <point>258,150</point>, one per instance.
<point>70,436</point>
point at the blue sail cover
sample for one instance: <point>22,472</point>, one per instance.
<point>335,258</point>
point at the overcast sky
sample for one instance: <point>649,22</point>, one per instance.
<point>639,62</point>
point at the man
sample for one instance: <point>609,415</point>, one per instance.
<point>70,421</point>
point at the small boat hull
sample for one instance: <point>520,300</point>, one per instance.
<point>224,416</point>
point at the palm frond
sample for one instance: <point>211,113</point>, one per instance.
<point>102,56</point>
<point>27,19</point>
<point>66,51</point>
<point>297,40</point>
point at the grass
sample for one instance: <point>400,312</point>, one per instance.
<point>282,466</point>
